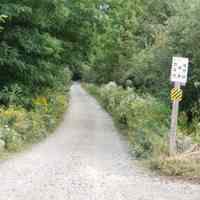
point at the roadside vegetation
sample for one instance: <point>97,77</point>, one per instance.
<point>34,76</point>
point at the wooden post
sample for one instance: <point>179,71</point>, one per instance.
<point>174,122</point>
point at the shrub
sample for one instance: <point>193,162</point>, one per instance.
<point>19,126</point>
<point>37,129</point>
<point>13,140</point>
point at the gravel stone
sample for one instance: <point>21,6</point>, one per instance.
<point>86,159</point>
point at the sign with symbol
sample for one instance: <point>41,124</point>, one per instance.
<point>179,71</point>
<point>176,94</point>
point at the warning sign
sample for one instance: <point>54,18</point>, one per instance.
<point>176,94</point>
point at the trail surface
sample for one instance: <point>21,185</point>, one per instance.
<point>86,159</point>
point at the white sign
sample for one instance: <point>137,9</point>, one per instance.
<point>179,71</point>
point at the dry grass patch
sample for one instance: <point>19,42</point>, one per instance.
<point>186,165</point>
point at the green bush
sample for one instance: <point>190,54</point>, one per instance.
<point>13,140</point>
<point>19,126</point>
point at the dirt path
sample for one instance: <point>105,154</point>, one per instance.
<point>85,160</point>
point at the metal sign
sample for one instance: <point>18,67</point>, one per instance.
<point>179,71</point>
<point>176,94</point>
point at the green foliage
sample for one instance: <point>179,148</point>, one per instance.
<point>34,72</point>
<point>122,46</point>
<point>19,126</point>
<point>32,47</point>
<point>146,119</point>
<point>13,140</point>
<point>136,40</point>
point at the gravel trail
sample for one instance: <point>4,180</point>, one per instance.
<point>86,159</point>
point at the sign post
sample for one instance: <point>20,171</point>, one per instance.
<point>179,73</point>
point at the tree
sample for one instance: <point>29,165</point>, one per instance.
<point>32,49</point>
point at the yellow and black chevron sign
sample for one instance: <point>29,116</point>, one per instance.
<point>176,94</point>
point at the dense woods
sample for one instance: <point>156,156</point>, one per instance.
<point>31,53</point>
<point>136,41</point>
<point>133,43</point>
